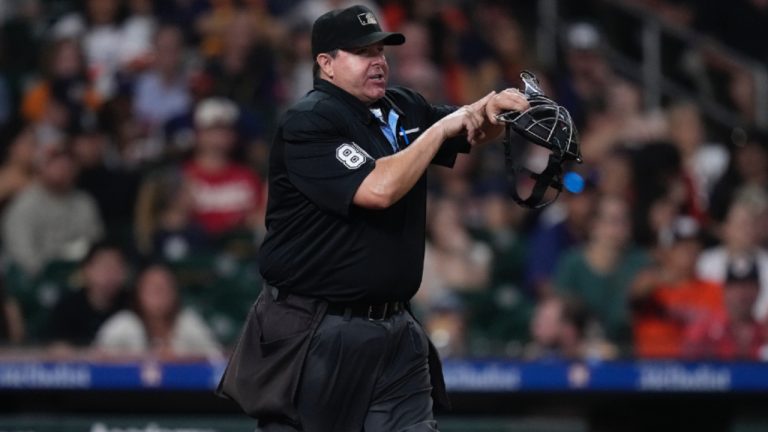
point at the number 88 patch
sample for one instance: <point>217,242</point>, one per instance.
<point>352,156</point>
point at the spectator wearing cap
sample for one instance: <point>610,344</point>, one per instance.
<point>51,219</point>
<point>588,75</point>
<point>740,235</point>
<point>733,334</point>
<point>668,296</point>
<point>225,195</point>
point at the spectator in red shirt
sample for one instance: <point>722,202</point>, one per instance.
<point>734,334</point>
<point>226,195</point>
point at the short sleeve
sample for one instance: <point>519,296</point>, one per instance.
<point>322,164</point>
<point>446,156</point>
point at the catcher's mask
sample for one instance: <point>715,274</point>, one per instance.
<point>548,125</point>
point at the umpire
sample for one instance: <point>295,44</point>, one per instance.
<point>330,344</point>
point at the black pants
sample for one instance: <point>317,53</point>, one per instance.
<point>363,375</point>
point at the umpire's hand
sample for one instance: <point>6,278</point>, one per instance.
<point>510,99</point>
<point>469,119</point>
<point>478,120</point>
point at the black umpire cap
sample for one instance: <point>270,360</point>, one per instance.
<point>353,27</point>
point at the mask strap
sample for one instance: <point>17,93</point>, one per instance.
<point>550,177</point>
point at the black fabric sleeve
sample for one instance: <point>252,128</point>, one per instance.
<point>322,164</point>
<point>446,156</point>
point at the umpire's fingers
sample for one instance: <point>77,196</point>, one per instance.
<point>475,120</point>
<point>507,100</point>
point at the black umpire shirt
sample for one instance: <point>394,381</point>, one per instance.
<point>318,242</point>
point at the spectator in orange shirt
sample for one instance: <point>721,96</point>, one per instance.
<point>668,297</point>
<point>732,334</point>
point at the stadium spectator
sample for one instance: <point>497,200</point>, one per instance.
<point>587,76</point>
<point>599,273</point>
<point>614,174</point>
<point>703,162</point>
<point>732,334</point>
<point>50,219</point>
<point>65,80</point>
<point>77,317</point>
<point>164,225</point>
<point>658,178</point>
<point>113,187</point>
<point>499,227</point>
<point>668,297</point>
<point>299,63</point>
<point>245,71</point>
<point>499,314</point>
<point>62,97</point>
<point>634,125</point>
<point>748,170</point>
<point>157,323</point>
<point>550,240</point>
<point>182,13</point>
<point>560,330</point>
<point>741,235</point>
<point>212,23</point>
<point>415,69</point>
<point>18,166</point>
<point>110,43</point>
<point>446,325</point>
<point>742,90</point>
<point>226,195</point>
<point>508,41</point>
<point>21,39</point>
<point>455,263</point>
<point>161,93</point>
<point>12,328</point>
<point>138,28</point>
<point>7,110</point>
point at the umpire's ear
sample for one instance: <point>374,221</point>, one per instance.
<point>325,63</point>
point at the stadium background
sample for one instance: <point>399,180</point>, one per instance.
<point>671,98</point>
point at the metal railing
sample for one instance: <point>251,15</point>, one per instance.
<point>649,69</point>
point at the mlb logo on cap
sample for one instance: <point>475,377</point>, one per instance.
<point>367,18</point>
<point>353,27</point>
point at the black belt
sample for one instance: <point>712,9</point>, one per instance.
<point>373,312</point>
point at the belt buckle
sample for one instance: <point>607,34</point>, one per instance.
<point>383,313</point>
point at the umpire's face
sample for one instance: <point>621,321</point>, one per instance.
<point>362,72</point>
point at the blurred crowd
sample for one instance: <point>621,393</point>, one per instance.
<point>135,134</point>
